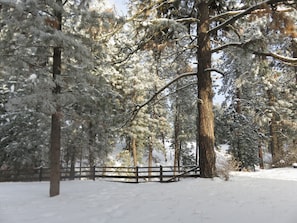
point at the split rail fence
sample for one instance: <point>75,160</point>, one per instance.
<point>123,174</point>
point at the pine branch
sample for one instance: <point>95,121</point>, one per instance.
<point>216,70</point>
<point>288,60</point>
<point>244,13</point>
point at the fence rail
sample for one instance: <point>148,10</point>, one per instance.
<point>125,174</point>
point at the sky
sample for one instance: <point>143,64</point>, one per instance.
<point>267,196</point>
<point>120,6</point>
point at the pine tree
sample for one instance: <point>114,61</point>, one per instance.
<point>209,20</point>
<point>56,64</point>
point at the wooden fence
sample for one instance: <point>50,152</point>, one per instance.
<point>124,174</point>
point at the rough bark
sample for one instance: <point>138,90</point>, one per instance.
<point>55,154</point>
<point>55,140</point>
<point>294,47</point>
<point>205,95</point>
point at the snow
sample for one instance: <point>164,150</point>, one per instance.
<point>261,196</point>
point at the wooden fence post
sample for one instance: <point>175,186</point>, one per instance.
<point>161,173</point>
<point>40,173</point>
<point>136,173</point>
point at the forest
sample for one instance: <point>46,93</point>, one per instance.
<point>77,79</point>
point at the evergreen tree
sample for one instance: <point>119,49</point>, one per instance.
<point>209,24</point>
<point>57,64</point>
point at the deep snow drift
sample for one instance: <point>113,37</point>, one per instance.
<point>245,198</point>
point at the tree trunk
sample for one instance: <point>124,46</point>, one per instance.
<point>274,148</point>
<point>150,158</point>
<point>72,164</point>
<point>91,148</point>
<point>176,135</point>
<point>261,156</point>
<point>55,154</point>
<point>134,151</point>
<point>238,131</point>
<point>294,47</point>
<point>205,95</point>
<point>55,140</point>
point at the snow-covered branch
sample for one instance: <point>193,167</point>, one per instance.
<point>244,13</point>
<point>138,107</point>
<point>237,44</point>
<point>289,60</point>
<point>225,14</point>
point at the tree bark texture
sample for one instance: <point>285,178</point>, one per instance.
<point>205,95</point>
<point>294,47</point>
<point>55,140</point>
<point>55,154</point>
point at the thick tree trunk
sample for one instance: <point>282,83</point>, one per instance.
<point>294,46</point>
<point>55,140</point>
<point>205,95</point>
<point>55,154</point>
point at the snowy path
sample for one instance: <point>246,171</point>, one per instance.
<point>243,199</point>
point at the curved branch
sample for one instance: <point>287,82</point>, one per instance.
<point>216,70</point>
<point>237,44</point>
<point>138,107</point>
<point>289,60</point>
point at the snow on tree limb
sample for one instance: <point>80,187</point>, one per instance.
<point>288,60</point>
<point>243,13</point>
<point>139,107</point>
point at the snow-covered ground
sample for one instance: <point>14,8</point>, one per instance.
<point>263,196</point>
